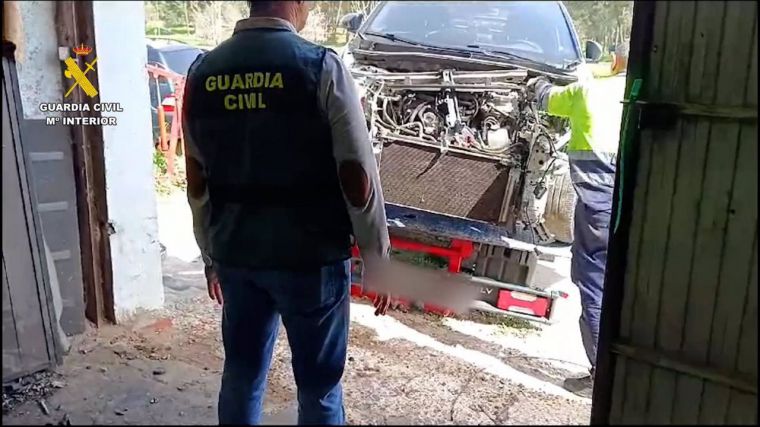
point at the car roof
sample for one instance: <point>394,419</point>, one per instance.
<point>178,46</point>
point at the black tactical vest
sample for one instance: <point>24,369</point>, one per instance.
<point>274,197</point>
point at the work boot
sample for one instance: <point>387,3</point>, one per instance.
<point>582,386</point>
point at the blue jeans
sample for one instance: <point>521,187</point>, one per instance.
<point>314,308</point>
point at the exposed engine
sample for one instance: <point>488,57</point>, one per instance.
<point>482,123</point>
<point>484,114</point>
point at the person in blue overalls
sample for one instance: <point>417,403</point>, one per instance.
<point>281,180</point>
<point>594,110</point>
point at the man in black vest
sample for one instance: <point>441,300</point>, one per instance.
<point>281,175</point>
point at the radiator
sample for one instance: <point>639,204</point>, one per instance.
<point>452,183</point>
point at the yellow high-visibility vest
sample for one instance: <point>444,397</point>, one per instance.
<point>595,110</point>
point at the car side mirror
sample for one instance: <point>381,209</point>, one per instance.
<point>593,51</point>
<point>352,21</point>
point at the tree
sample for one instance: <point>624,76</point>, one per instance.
<point>215,20</point>
<point>316,28</point>
<point>606,22</point>
<point>362,6</point>
<point>335,10</point>
<point>154,25</point>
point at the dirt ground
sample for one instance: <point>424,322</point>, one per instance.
<point>404,368</point>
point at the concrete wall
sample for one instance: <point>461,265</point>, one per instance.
<point>39,70</point>
<point>135,252</point>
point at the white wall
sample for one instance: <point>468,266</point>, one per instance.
<point>37,64</point>
<point>135,252</point>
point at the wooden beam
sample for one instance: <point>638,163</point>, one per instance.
<point>745,114</point>
<point>676,363</point>
<point>75,26</point>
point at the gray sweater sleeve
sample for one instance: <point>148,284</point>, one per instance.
<point>342,107</point>
<point>198,204</point>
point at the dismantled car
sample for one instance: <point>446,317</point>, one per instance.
<point>455,131</point>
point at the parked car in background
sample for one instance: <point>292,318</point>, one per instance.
<point>179,57</point>
<point>172,56</point>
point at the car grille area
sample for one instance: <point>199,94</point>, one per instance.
<point>450,183</point>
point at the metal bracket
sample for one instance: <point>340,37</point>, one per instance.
<point>448,77</point>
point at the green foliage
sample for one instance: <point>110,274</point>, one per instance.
<point>419,259</point>
<point>200,23</point>
<point>163,182</point>
<point>159,161</point>
<point>510,324</point>
<point>506,325</point>
<point>606,22</point>
<point>207,23</point>
<point>170,14</point>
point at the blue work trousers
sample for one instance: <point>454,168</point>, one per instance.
<point>314,306</point>
<point>593,181</point>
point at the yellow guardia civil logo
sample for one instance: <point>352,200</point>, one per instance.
<point>80,77</point>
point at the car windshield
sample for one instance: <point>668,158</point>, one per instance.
<point>180,60</point>
<point>535,30</point>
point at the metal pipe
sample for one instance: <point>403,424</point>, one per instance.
<point>162,138</point>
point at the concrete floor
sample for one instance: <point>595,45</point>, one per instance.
<point>404,368</point>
